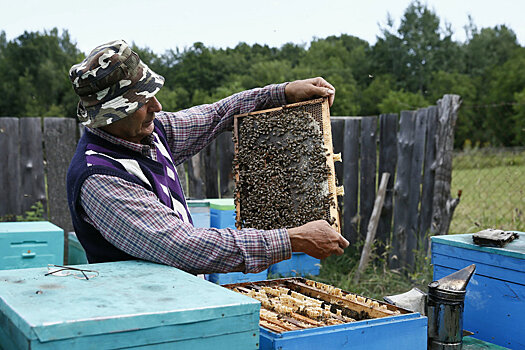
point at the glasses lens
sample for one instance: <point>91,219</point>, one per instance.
<point>83,275</point>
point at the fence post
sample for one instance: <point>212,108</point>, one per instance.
<point>401,228</point>
<point>387,164</point>
<point>11,202</point>
<point>60,140</point>
<point>350,178</point>
<point>367,188</point>
<point>32,164</point>
<point>443,204</point>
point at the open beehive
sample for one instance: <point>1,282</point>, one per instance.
<point>291,304</point>
<point>284,167</point>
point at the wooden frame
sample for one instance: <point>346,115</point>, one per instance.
<point>325,125</point>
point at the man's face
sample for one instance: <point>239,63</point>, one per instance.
<point>138,125</point>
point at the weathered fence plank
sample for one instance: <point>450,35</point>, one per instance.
<point>11,200</point>
<point>444,205</point>
<point>196,185</point>
<point>414,192</point>
<point>405,148</point>
<point>338,128</point>
<point>367,188</point>
<point>209,160</point>
<point>387,164</point>
<point>32,164</point>
<point>427,191</point>
<point>60,140</point>
<point>351,178</point>
<point>225,154</point>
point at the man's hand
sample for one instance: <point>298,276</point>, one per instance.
<point>301,90</point>
<point>317,239</point>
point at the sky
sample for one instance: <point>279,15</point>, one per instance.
<point>161,25</point>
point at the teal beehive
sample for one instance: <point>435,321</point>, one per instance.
<point>130,304</point>
<point>495,298</point>
<point>30,244</point>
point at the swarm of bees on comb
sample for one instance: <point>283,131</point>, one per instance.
<point>296,303</point>
<point>282,171</point>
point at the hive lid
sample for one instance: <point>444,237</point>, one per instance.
<point>28,226</point>
<point>222,203</point>
<point>192,203</point>
<point>126,296</point>
<point>515,249</point>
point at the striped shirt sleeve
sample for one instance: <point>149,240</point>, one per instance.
<point>132,219</point>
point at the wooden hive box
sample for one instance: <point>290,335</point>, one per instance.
<point>297,313</point>
<point>131,304</point>
<point>284,167</point>
<point>495,298</point>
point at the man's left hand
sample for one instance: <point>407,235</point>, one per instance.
<point>301,90</point>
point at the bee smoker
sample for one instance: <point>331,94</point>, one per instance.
<point>443,305</point>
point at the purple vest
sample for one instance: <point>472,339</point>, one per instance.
<point>95,155</point>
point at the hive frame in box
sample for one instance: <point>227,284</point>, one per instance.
<point>320,110</point>
<point>383,326</point>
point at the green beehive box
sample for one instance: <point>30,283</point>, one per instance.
<point>131,304</point>
<point>30,244</point>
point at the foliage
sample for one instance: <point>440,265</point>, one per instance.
<point>411,65</point>
<point>36,213</point>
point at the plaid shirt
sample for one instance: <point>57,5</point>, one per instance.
<point>133,219</point>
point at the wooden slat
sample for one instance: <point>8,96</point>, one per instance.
<point>350,178</point>
<point>225,155</point>
<point>196,185</point>
<point>209,159</point>
<point>387,164</point>
<point>416,178</point>
<point>32,164</point>
<point>367,188</point>
<point>337,142</point>
<point>11,199</point>
<point>428,176</point>
<point>181,173</point>
<point>401,188</point>
<point>59,143</point>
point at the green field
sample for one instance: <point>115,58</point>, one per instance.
<point>493,192</point>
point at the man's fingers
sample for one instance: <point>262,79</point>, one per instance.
<point>343,242</point>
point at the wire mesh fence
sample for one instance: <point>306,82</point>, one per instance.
<point>492,185</point>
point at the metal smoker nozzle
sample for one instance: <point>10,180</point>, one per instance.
<point>457,281</point>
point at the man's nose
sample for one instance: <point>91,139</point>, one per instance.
<point>154,105</point>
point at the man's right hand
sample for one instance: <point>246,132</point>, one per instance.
<point>317,239</point>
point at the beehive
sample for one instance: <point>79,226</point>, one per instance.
<point>298,313</point>
<point>284,167</point>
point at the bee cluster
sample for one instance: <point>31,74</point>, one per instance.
<point>281,171</point>
<point>298,304</point>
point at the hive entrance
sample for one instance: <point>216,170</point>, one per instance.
<point>284,168</point>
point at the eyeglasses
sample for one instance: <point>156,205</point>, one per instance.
<point>62,271</point>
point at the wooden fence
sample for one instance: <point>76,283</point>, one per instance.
<point>37,153</point>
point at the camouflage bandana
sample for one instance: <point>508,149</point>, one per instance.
<point>112,83</point>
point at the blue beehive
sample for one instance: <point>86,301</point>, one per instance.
<point>495,299</point>
<point>30,244</point>
<point>131,304</point>
<point>300,264</point>
<point>222,215</point>
<point>76,255</point>
<point>401,332</point>
<point>200,212</point>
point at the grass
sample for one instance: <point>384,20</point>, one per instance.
<point>378,280</point>
<point>493,191</point>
